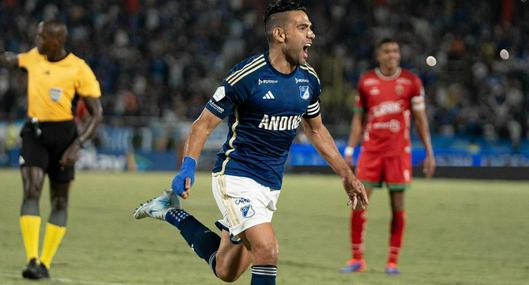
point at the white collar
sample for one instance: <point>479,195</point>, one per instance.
<point>384,77</point>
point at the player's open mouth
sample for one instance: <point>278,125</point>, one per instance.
<point>306,49</point>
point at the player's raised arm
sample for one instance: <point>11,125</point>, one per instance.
<point>8,59</point>
<point>324,144</point>
<point>200,131</point>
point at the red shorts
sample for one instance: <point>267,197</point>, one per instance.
<point>373,169</point>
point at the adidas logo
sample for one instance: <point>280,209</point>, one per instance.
<point>269,96</point>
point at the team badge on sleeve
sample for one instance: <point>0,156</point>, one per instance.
<point>219,94</point>
<point>304,92</point>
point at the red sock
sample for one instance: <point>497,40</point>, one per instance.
<point>357,231</point>
<point>397,231</point>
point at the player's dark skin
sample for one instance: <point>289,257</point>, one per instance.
<point>50,41</point>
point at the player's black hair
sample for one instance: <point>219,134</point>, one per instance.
<point>385,41</point>
<point>279,6</point>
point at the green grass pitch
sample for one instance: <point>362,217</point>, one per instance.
<point>458,232</point>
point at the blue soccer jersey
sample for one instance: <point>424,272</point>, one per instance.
<point>265,107</point>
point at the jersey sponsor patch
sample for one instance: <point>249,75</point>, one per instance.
<point>386,108</point>
<point>392,125</point>
<point>374,91</point>
<point>55,93</point>
<point>219,93</point>
<point>370,81</point>
<point>266,81</point>
<point>304,92</point>
<point>279,123</point>
<point>215,106</point>
<point>301,80</point>
<point>404,81</point>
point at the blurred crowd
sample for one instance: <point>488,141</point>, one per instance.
<point>164,59</point>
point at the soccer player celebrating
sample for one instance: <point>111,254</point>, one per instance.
<point>265,98</point>
<point>50,139</point>
<point>386,98</point>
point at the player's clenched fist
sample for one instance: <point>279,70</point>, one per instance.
<point>185,178</point>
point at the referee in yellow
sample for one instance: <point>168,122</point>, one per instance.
<point>50,139</point>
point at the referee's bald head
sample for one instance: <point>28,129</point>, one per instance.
<point>55,29</point>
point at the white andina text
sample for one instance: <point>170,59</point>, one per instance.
<point>280,123</point>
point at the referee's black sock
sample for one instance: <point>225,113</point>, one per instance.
<point>264,274</point>
<point>202,240</point>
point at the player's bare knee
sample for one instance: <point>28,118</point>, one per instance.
<point>265,253</point>
<point>227,275</point>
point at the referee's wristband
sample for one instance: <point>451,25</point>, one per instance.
<point>349,151</point>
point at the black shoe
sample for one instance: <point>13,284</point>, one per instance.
<point>31,269</point>
<point>35,271</point>
<point>43,272</point>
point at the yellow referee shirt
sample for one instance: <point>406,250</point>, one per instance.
<point>53,85</point>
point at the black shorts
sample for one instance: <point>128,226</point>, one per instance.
<point>43,145</point>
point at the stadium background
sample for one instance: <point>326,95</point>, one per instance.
<point>158,62</point>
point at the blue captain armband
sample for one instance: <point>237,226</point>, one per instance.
<point>187,170</point>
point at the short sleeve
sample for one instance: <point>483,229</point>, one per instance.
<point>87,84</point>
<point>418,87</point>
<point>417,97</point>
<point>313,109</point>
<point>25,59</point>
<point>225,98</point>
